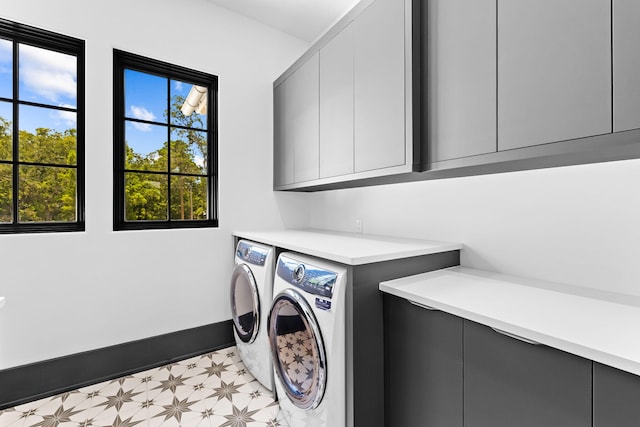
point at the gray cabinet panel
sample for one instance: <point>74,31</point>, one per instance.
<point>336,105</point>
<point>380,86</point>
<point>511,383</point>
<point>615,397</point>
<point>282,141</point>
<point>423,366</point>
<point>461,52</point>
<point>626,64</point>
<point>554,71</point>
<point>302,99</point>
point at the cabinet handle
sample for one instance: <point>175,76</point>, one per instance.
<point>426,307</point>
<point>517,337</point>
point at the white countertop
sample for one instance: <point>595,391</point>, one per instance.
<point>595,325</point>
<point>347,248</point>
<point>1,301</point>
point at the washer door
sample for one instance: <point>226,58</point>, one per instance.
<point>298,350</point>
<point>245,303</point>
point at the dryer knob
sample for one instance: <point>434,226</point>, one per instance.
<point>298,273</point>
<point>246,251</point>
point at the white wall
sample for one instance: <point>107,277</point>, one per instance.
<point>577,225</point>
<point>71,292</point>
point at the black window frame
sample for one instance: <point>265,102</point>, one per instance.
<point>128,61</point>
<point>19,33</point>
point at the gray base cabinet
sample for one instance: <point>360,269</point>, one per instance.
<point>423,366</point>
<point>508,382</point>
<point>444,371</point>
<point>616,397</point>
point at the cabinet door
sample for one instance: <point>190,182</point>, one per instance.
<point>282,139</point>
<point>626,64</point>
<point>461,75</point>
<point>302,99</point>
<point>336,105</point>
<point>423,366</point>
<point>380,86</point>
<point>511,383</point>
<point>554,71</point>
<point>615,397</point>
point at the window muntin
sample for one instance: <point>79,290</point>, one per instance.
<point>165,160</point>
<point>41,130</point>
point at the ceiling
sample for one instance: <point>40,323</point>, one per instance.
<point>304,19</point>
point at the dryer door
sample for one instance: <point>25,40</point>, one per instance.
<point>245,303</point>
<point>298,350</point>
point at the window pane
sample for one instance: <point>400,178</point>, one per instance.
<point>188,105</point>
<point>47,136</point>
<point>6,69</point>
<point>188,197</point>
<point>6,192</point>
<point>145,197</point>
<point>47,77</point>
<point>6,130</point>
<point>47,194</point>
<point>146,147</point>
<point>145,96</point>
<point>188,151</point>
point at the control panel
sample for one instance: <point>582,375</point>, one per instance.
<point>251,254</point>
<point>310,279</point>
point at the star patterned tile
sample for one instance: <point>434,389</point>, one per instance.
<point>212,390</point>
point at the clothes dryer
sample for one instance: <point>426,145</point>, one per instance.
<point>307,338</point>
<point>251,295</point>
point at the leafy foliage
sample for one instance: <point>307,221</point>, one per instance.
<point>147,194</point>
<point>47,192</point>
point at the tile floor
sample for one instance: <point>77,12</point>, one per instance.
<point>212,390</point>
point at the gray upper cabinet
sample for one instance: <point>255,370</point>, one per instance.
<point>554,71</point>
<point>303,99</point>
<point>349,102</point>
<point>336,105</point>
<point>461,76</point>
<point>296,125</point>
<point>283,148</point>
<point>380,86</point>
<point>626,64</point>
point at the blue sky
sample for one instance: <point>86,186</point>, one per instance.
<point>46,77</point>
<point>146,99</point>
<point>49,78</point>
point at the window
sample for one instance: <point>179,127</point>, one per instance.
<point>165,151</point>
<point>41,130</point>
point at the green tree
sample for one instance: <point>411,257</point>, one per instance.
<point>45,193</point>
<point>6,172</point>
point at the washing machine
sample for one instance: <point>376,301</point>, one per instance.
<point>307,337</point>
<point>251,295</point>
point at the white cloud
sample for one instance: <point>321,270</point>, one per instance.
<point>141,113</point>
<point>67,118</point>
<point>199,161</point>
<point>177,85</point>
<point>6,57</point>
<point>6,51</point>
<point>49,74</point>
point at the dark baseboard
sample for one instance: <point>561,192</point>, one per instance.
<point>50,377</point>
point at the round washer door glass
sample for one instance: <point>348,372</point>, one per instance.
<point>297,348</point>
<point>245,303</point>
